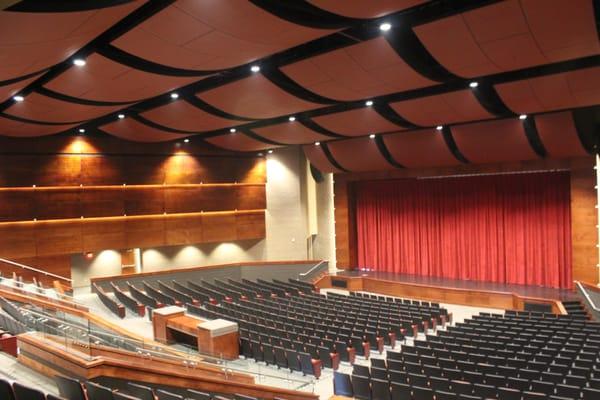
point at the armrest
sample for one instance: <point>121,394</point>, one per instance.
<point>317,367</point>
<point>380,344</point>
<point>335,360</point>
<point>366,349</point>
<point>351,355</point>
<point>392,337</point>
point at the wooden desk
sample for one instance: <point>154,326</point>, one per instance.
<point>218,338</point>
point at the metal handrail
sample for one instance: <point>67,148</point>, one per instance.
<point>313,268</point>
<point>23,266</point>
<point>587,296</point>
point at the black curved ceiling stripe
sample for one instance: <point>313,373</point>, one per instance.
<point>133,19</point>
<point>587,125</point>
<point>278,78</point>
<point>310,124</point>
<point>386,153</point>
<point>449,140</point>
<point>255,136</point>
<point>63,97</point>
<point>122,57</point>
<point>533,137</point>
<point>32,6</point>
<point>303,13</point>
<point>388,113</point>
<point>31,121</point>
<point>21,78</point>
<point>151,124</point>
<point>330,157</point>
<point>407,45</point>
<point>204,106</point>
<point>491,101</point>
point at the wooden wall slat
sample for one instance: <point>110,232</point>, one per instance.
<point>105,202</point>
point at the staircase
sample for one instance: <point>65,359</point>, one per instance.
<point>576,308</point>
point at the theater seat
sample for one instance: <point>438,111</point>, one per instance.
<point>380,389</point>
<point>361,386</point>
<point>69,388</point>
<point>590,394</point>
<point>292,360</point>
<point>342,386</point>
<point>140,391</point>
<point>400,391</point>
<point>165,395</point>
<point>123,396</point>
<point>310,366</point>
<point>280,357</point>
<point>6,390</point>
<point>197,395</point>
<point>97,392</point>
<point>53,397</point>
<point>268,354</point>
<point>23,392</point>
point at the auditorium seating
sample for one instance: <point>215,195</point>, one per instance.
<point>517,355</point>
<point>117,308</point>
<point>128,301</point>
<point>290,326</point>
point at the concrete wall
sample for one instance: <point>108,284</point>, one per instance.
<point>286,229</point>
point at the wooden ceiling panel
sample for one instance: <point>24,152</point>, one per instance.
<point>365,9</point>
<point>359,155</point>
<point>420,149</point>
<point>290,133</point>
<point>357,122</point>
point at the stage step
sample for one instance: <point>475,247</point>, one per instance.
<point>576,308</point>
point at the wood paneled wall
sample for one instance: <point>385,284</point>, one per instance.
<point>583,213</point>
<point>61,195</point>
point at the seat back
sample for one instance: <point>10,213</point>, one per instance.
<point>69,388</point>
<point>380,389</point>
<point>165,395</point>
<point>196,395</point>
<point>6,390</point>
<point>400,391</point>
<point>123,396</point>
<point>342,385</point>
<point>98,392</point>
<point>23,392</point>
<point>306,363</point>
<point>361,385</point>
<point>292,360</point>
<point>140,391</point>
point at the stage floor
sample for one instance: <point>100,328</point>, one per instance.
<point>521,290</point>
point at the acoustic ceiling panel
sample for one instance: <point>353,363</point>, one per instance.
<point>559,134</point>
<point>211,35</point>
<point>105,80</point>
<point>130,129</point>
<point>42,108</point>
<point>34,41</point>
<point>493,141</point>
<point>419,149</point>
<point>7,91</point>
<point>371,68</point>
<point>578,88</point>
<point>512,34</point>
<point>365,9</point>
<point>447,108</point>
<point>255,97</point>
<point>290,133</point>
<point>318,159</point>
<point>358,155</point>
<point>239,142</point>
<point>357,122</point>
<point>9,127</point>
<point>184,116</point>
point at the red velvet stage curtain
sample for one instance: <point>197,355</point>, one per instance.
<point>501,228</point>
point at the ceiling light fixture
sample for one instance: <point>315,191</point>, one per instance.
<point>369,103</point>
<point>255,68</point>
<point>260,154</point>
<point>317,143</point>
<point>186,140</point>
<point>174,95</point>
<point>439,127</point>
<point>121,116</point>
<point>473,84</point>
<point>18,98</point>
<point>270,151</point>
<point>232,130</point>
<point>523,116</point>
<point>79,62</point>
<point>292,118</point>
<point>81,130</point>
<point>386,26</point>
<point>372,136</point>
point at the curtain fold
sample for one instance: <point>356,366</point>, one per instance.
<point>501,228</point>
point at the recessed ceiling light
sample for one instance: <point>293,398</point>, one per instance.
<point>292,118</point>
<point>81,130</point>
<point>255,68</point>
<point>372,136</point>
<point>18,98</point>
<point>473,84</point>
<point>523,116</point>
<point>439,127</point>
<point>369,103</point>
<point>232,130</point>
<point>260,154</point>
<point>186,140</point>
<point>121,116</point>
<point>317,143</point>
<point>79,62</point>
<point>386,26</point>
<point>174,96</point>
<point>270,151</point>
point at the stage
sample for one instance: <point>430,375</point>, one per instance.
<point>473,293</point>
